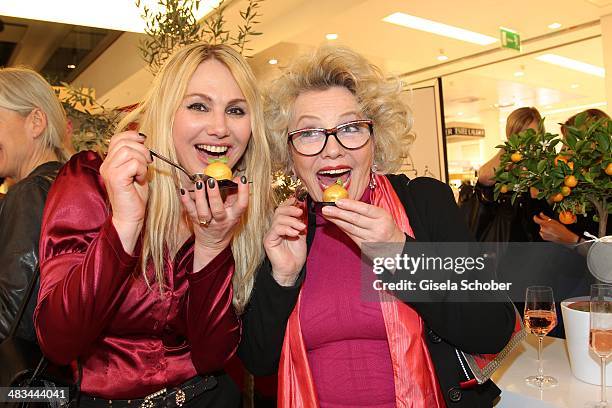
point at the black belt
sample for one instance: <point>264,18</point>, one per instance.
<point>170,398</point>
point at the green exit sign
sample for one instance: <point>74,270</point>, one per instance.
<point>510,39</point>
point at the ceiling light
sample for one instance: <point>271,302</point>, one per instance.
<point>574,86</point>
<point>272,61</point>
<point>71,66</point>
<point>417,23</point>
<point>573,64</point>
<point>331,36</point>
<point>442,57</point>
<point>519,74</point>
<point>459,113</point>
<point>554,26</point>
<point>118,15</point>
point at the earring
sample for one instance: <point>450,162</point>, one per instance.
<point>373,171</point>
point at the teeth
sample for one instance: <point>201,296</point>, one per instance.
<point>334,171</point>
<point>213,149</point>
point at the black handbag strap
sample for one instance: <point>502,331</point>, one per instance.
<point>24,304</point>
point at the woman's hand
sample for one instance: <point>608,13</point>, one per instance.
<point>213,220</point>
<point>124,172</point>
<point>553,231</point>
<point>285,243</point>
<point>364,222</point>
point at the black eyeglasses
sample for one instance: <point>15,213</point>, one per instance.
<point>351,135</point>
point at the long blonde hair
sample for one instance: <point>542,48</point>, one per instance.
<point>164,211</point>
<point>377,96</point>
<point>23,90</point>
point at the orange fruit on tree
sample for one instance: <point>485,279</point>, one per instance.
<point>564,159</point>
<point>533,192</point>
<point>565,191</point>
<point>567,217</point>
<point>557,197</point>
<point>516,157</point>
<point>503,189</point>
<point>608,169</point>
<point>570,181</point>
<point>335,192</point>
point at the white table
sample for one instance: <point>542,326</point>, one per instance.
<point>570,393</point>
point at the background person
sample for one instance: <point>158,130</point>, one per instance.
<point>32,126</point>
<point>519,120</point>
<point>551,229</point>
<point>142,274</point>
<point>502,220</point>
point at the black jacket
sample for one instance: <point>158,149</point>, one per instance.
<point>433,217</point>
<point>20,219</point>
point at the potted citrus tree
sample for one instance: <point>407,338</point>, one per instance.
<point>577,179</point>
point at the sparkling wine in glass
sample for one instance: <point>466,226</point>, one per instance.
<point>540,319</point>
<point>600,337</point>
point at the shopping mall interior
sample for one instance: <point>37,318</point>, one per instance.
<point>463,65</point>
<point>559,66</point>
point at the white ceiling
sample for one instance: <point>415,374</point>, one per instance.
<point>291,27</point>
<point>400,50</point>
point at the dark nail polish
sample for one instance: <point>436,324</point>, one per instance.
<point>211,183</point>
<point>199,185</point>
<point>142,135</point>
<point>243,180</point>
<point>182,191</point>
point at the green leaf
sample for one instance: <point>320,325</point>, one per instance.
<point>580,119</point>
<point>542,165</point>
<point>603,142</point>
<point>570,140</point>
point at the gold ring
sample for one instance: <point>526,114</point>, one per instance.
<point>550,219</point>
<point>203,222</point>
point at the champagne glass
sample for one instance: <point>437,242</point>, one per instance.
<point>540,319</point>
<point>600,337</point>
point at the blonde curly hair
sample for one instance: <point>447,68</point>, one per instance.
<point>378,98</point>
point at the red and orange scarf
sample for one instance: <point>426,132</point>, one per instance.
<point>416,385</point>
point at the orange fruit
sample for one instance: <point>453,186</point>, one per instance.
<point>533,192</point>
<point>565,191</point>
<point>557,197</point>
<point>565,160</point>
<point>516,157</point>
<point>218,171</point>
<point>608,169</point>
<point>503,189</point>
<point>570,181</point>
<point>567,217</point>
<point>334,192</point>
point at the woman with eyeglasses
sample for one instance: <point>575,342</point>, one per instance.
<point>333,118</point>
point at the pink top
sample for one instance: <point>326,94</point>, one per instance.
<point>345,337</point>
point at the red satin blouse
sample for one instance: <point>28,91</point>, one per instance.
<point>95,307</point>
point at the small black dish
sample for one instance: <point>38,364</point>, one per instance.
<point>225,186</point>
